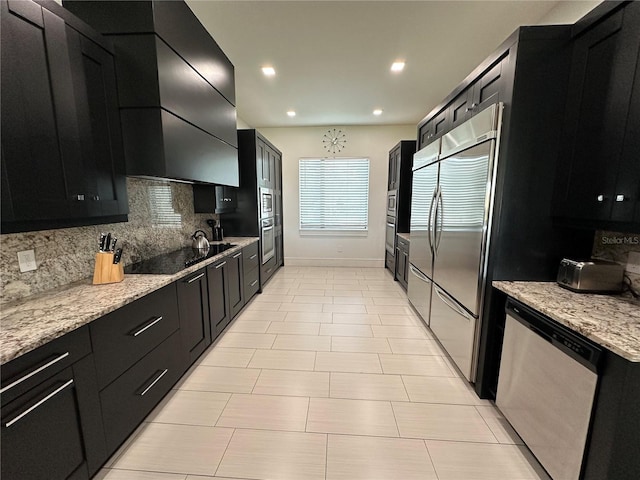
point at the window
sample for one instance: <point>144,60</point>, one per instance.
<point>334,194</point>
<point>162,211</point>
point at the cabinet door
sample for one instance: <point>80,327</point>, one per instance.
<point>41,154</point>
<point>487,90</point>
<point>405,273</point>
<point>425,134</point>
<point>236,283</point>
<point>193,305</point>
<point>99,123</point>
<point>441,125</point>
<point>219,309</point>
<point>398,265</point>
<point>460,108</point>
<point>599,96</point>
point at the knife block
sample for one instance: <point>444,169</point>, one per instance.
<point>105,271</point>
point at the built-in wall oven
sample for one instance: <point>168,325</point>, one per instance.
<point>390,235</point>
<point>392,202</point>
<point>267,239</point>
<point>266,203</point>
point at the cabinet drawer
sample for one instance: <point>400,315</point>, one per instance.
<point>403,245</point>
<point>251,284</point>
<point>132,396</point>
<point>268,269</point>
<point>42,436</point>
<point>32,368</point>
<point>122,337</point>
<point>251,257</point>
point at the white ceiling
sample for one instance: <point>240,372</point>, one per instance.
<point>333,58</point>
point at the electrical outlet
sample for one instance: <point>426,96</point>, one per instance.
<point>27,260</point>
<point>633,263</point>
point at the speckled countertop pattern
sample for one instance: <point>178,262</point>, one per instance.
<point>33,321</point>
<point>406,236</point>
<point>609,320</point>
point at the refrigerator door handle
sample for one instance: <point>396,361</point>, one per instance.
<point>430,225</point>
<point>419,274</point>
<point>446,299</point>
<point>437,236</point>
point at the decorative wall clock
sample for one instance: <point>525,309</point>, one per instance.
<point>334,140</point>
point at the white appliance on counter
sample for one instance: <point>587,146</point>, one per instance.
<point>451,210</point>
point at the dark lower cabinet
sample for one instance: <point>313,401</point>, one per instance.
<point>133,395</point>
<point>193,305</point>
<point>219,308</point>
<point>51,422</point>
<point>62,152</point>
<point>236,283</point>
<point>251,271</point>
<point>402,262</point>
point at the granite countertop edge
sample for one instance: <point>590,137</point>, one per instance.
<point>405,236</point>
<point>611,321</point>
<point>33,321</point>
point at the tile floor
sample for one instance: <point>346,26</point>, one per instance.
<point>326,375</point>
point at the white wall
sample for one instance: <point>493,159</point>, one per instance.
<point>373,142</point>
<point>568,12</point>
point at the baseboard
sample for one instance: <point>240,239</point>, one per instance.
<point>335,262</point>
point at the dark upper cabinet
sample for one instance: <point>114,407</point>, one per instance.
<point>214,199</point>
<point>62,154</point>
<point>176,91</point>
<point>598,177</point>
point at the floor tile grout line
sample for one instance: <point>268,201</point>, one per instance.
<point>225,452</point>
<point>433,464</point>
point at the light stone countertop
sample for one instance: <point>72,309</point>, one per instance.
<point>33,321</point>
<point>611,321</point>
<point>406,236</point>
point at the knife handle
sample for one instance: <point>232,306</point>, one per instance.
<point>117,256</point>
<point>103,237</point>
<point>112,247</point>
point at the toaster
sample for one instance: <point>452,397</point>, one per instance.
<point>592,276</point>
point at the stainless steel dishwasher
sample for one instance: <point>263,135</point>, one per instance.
<point>548,379</point>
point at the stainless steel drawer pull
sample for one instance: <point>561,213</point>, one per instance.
<point>154,382</point>
<point>147,326</point>
<point>36,405</point>
<point>253,283</point>
<point>620,198</point>
<point>221,265</point>
<point>35,372</point>
<point>600,198</point>
<point>253,256</point>
<point>195,278</point>
<point>237,255</point>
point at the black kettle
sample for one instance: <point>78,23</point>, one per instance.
<point>216,229</point>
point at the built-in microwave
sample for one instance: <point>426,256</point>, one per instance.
<point>266,203</point>
<point>391,202</point>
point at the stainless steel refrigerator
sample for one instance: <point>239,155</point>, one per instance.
<point>451,209</point>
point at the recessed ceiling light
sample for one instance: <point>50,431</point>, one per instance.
<point>377,111</point>
<point>269,71</point>
<point>291,113</point>
<point>397,66</point>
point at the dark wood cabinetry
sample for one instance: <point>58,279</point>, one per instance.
<point>176,90</point>
<point>62,153</point>
<point>51,422</point>
<point>236,283</point>
<point>219,308</point>
<point>193,303</point>
<point>261,167</point>
<point>402,262</point>
<point>124,336</point>
<point>598,180</point>
<point>251,270</point>
<point>214,199</point>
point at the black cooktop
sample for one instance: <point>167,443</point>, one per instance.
<point>173,262</point>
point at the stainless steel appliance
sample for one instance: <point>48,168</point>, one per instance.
<point>547,383</point>
<point>392,202</point>
<point>266,203</point>
<point>595,276</point>
<point>390,235</point>
<point>267,239</point>
<point>452,201</point>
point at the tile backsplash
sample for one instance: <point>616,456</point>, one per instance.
<point>616,246</point>
<point>161,219</point>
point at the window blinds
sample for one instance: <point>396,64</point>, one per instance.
<point>161,203</point>
<point>334,194</point>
